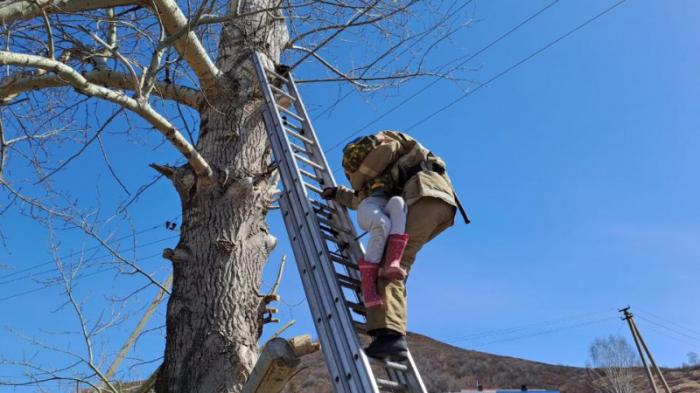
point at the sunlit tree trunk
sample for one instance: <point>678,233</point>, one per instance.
<point>214,313</point>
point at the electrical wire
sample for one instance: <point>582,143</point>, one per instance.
<point>38,265</point>
<point>516,65</point>
<point>464,59</point>
<point>644,312</point>
<point>12,280</point>
<point>669,328</point>
<point>544,332</point>
<point>49,285</point>
<point>515,329</point>
<point>451,12</point>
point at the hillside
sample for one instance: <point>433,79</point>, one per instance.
<point>450,369</point>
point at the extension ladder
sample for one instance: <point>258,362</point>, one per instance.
<point>325,244</point>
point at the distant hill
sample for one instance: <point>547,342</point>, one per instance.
<point>446,368</point>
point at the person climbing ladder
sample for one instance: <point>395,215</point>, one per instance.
<point>396,166</point>
<point>379,212</point>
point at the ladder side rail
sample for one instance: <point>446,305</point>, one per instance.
<point>342,215</point>
<point>355,249</point>
<point>342,316</point>
<point>330,292</point>
<point>411,378</point>
<point>293,192</point>
<point>326,176</point>
<point>415,382</point>
<point>329,349</point>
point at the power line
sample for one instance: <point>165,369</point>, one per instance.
<point>140,232</point>
<point>546,331</point>
<point>49,285</point>
<point>88,259</point>
<point>425,34</point>
<point>644,312</point>
<point>465,59</point>
<point>669,328</point>
<point>516,65</point>
<point>514,329</point>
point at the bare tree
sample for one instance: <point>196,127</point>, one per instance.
<point>75,68</point>
<point>613,361</point>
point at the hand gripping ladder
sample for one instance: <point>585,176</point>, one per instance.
<point>325,244</point>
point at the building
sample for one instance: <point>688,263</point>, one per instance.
<point>522,389</point>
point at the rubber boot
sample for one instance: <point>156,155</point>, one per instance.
<point>369,272</point>
<point>395,246</point>
<point>388,345</point>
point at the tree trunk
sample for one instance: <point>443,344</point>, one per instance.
<point>214,312</point>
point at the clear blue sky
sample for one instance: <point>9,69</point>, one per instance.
<point>579,170</point>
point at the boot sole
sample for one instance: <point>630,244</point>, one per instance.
<point>400,356</point>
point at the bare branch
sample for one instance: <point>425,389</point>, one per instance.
<point>339,30</point>
<point>11,11</point>
<point>188,45</point>
<point>112,79</point>
<point>82,148</point>
<point>49,33</point>
<point>336,71</point>
<point>75,79</point>
<point>137,330</point>
<point>120,57</point>
<point>351,23</point>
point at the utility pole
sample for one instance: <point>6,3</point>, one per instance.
<point>640,344</point>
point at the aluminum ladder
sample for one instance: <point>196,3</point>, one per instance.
<point>325,245</point>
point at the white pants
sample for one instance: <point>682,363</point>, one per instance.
<point>381,217</point>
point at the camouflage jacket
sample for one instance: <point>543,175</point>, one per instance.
<point>396,163</point>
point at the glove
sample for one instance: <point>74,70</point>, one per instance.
<point>329,193</point>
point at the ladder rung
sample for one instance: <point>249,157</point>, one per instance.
<point>298,149</point>
<point>393,365</point>
<point>276,75</point>
<point>329,237</point>
<point>284,93</point>
<point>313,188</point>
<point>343,261</point>
<point>347,279</point>
<point>360,327</point>
<point>328,231</point>
<point>394,386</point>
<point>322,215</point>
<point>309,162</point>
<point>331,224</point>
<point>354,287</point>
<point>325,207</point>
<point>357,307</point>
<point>341,255</point>
<point>310,175</point>
<point>292,114</point>
<point>294,132</point>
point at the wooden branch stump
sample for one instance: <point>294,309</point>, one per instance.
<point>278,363</point>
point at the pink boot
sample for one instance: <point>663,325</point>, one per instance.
<point>395,246</point>
<point>369,272</point>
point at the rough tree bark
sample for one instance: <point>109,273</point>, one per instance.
<point>213,318</point>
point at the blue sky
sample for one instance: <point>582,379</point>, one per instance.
<point>578,168</point>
